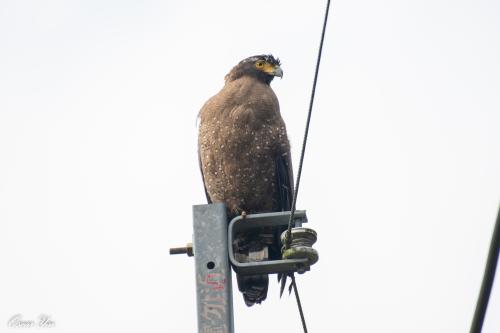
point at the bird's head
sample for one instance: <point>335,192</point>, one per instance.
<point>262,67</point>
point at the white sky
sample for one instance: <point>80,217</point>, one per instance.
<point>98,166</point>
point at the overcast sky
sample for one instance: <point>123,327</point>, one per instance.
<point>98,164</point>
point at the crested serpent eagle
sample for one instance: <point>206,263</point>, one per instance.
<point>245,159</point>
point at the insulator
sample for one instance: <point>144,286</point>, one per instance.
<point>301,245</point>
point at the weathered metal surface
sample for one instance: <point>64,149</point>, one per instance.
<point>213,272</point>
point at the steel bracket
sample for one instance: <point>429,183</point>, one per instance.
<point>278,220</point>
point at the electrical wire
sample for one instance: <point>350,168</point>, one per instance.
<point>288,238</point>
<point>299,304</point>
<point>488,278</point>
<point>306,133</point>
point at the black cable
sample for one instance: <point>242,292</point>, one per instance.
<point>288,239</point>
<point>488,278</point>
<point>304,142</point>
<point>299,304</point>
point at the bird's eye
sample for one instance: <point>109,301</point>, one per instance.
<point>260,64</point>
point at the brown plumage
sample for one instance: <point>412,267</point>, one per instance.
<point>245,154</point>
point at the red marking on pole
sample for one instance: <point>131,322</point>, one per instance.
<point>216,281</point>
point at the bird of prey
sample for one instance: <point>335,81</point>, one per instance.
<point>245,160</point>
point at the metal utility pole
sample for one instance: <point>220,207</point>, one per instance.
<point>213,254</point>
<point>213,273</point>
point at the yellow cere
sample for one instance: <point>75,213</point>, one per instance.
<point>266,67</point>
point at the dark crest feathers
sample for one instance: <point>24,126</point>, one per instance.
<point>266,57</point>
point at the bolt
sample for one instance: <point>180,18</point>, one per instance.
<point>188,249</point>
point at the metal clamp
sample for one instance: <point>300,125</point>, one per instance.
<point>279,221</point>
